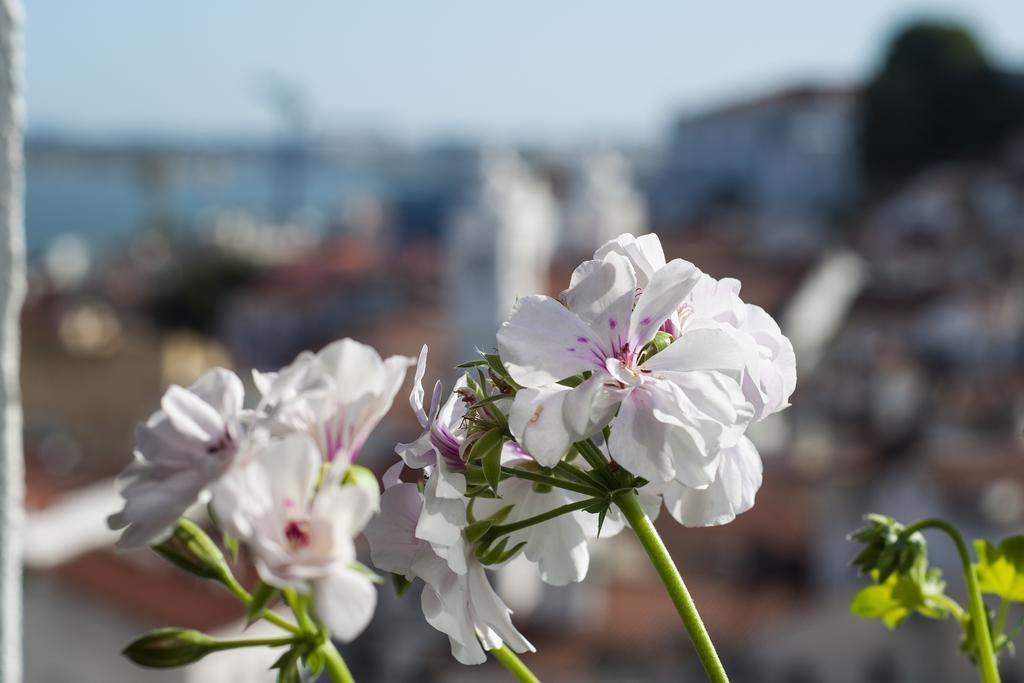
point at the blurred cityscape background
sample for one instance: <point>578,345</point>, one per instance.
<point>231,185</point>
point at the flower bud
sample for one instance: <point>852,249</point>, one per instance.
<point>887,549</point>
<point>192,550</point>
<point>169,647</point>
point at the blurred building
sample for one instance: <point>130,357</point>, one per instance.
<point>791,151</point>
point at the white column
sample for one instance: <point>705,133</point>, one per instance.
<point>12,289</point>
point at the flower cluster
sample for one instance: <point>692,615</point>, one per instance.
<point>640,380</point>
<point>278,478</point>
<point>632,390</point>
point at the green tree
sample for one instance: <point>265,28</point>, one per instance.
<point>936,97</point>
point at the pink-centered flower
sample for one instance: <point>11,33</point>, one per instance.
<point>181,451</point>
<point>302,536</point>
<point>673,412</point>
<point>769,364</point>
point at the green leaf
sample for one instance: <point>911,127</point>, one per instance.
<point>261,599</point>
<point>1001,570</point>
<point>898,596</point>
<point>487,450</point>
<point>471,364</point>
<point>170,647</point>
<point>878,602</point>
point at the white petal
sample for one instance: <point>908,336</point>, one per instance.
<point>446,609</point>
<point>493,617</point>
<point>191,415</point>
<point>348,508</point>
<point>537,422</point>
<point>589,406</point>
<point>558,546</point>
<point>644,252</point>
<point>602,293</point>
<point>345,600</point>
<point>732,492</point>
<point>419,453</point>
<point>637,440</point>
<point>288,469</point>
<point>416,396</point>
<point>222,390</point>
<point>392,533</point>
<point>661,298</point>
<point>543,342</point>
<point>700,349</point>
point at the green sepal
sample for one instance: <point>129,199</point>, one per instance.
<point>401,585</point>
<point>261,599</point>
<point>315,661</point>
<point>487,451</point>
<point>659,343</point>
<point>287,665</point>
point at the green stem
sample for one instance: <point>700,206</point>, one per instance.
<point>295,602</point>
<point>551,481</point>
<point>514,664</point>
<point>662,561</point>
<point>335,665</point>
<point>952,605</point>
<point>1004,611</point>
<point>595,458</point>
<point>243,595</point>
<point>579,475</point>
<point>501,529</point>
<point>255,642</point>
<point>975,604</point>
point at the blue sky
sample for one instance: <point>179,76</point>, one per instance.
<point>537,70</point>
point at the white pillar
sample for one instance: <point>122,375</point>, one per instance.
<point>12,289</point>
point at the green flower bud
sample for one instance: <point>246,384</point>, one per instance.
<point>192,550</point>
<point>887,549</point>
<point>169,647</point>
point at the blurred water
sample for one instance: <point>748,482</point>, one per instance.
<point>103,203</point>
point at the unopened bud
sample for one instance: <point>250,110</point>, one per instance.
<point>192,550</point>
<point>169,647</point>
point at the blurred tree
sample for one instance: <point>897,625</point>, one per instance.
<point>193,295</point>
<point>935,98</point>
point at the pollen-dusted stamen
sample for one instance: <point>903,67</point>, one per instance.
<point>297,533</point>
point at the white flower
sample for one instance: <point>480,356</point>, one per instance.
<point>338,395</point>
<point>769,376</point>
<point>443,439</point>
<point>462,605</point>
<point>438,451</point>
<point>676,410</point>
<point>301,537</point>
<point>181,450</point>
<point>732,493</point>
